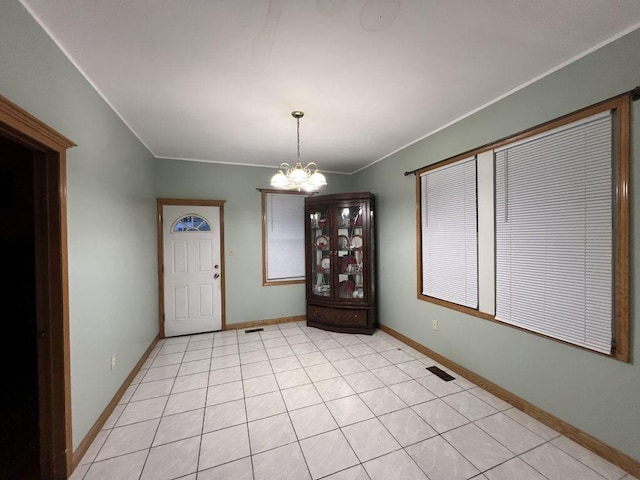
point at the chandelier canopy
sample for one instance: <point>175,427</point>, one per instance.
<point>306,178</point>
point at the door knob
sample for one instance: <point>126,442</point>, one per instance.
<point>217,275</point>
<point>216,266</point>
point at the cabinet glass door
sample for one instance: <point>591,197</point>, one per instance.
<point>321,248</point>
<point>349,260</point>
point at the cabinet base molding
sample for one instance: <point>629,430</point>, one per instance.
<point>621,460</point>
<point>264,323</point>
<point>343,320</point>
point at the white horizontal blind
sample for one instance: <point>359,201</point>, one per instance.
<point>449,233</point>
<point>285,236</point>
<point>554,246</point>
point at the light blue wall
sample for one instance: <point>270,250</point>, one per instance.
<point>246,298</point>
<point>596,394</point>
<point>111,214</point>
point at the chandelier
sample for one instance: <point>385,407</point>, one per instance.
<point>306,178</point>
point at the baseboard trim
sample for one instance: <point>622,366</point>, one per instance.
<point>97,426</point>
<point>622,460</point>
<point>264,323</point>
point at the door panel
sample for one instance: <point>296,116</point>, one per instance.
<point>192,284</point>
<point>179,257</point>
<point>204,255</point>
<point>181,302</point>
<point>206,300</point>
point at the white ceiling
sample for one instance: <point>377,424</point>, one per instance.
<point>216,80</point>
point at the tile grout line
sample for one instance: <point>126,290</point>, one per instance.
<point>288,411</point>
<point>246,411</point>
<point>411,407</point>
<point>324,403</point>
<point>320,349</point>
<point>375,415</point>
<point>115,426</point>
<point>341,375</point>
<point>204,408</point>
<point>159,421</point>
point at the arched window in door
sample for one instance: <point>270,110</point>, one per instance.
<point>191,223</point>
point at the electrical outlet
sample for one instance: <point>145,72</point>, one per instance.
<point>434,324</point>
<point>113,361</point>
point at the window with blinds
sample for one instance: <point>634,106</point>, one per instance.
<point>449,233</point>
<point>533,231</point>
<point>554,243</point>
<point>283,238</point>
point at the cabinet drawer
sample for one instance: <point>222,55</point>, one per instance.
<point>337,317</point>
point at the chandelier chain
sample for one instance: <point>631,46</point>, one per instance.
<point>307,178</point>
<point>298,129</point>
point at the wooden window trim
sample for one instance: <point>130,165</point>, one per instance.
<point>620,106</point>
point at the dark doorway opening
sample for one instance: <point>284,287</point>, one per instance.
<point>19,411</point>
<point>35,440</point>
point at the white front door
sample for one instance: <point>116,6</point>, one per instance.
<point>192,269</point>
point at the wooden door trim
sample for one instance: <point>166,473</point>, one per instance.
<point>54,378</point>
<point>161,202</point>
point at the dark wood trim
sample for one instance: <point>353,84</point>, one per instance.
<point>622,231</point>
<point>190,201</point>
<point>106,413</point>
<point>621,105</point>
<point>28,129</point>
<point>600,448</point>
<point>60,340</point>
<point>462,309</point>
<point>265,323</point>
<point>223,281</point>
<point>265,281</point>
<point>54,393</point>
<point>419,245</point>
<point>491,318</point>
<point>273,283</point>
<point>160,202</point>
<point>160,269</point>
<point>286,192</point>
<point>610,103</point>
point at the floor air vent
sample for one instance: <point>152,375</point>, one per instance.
<point>251,330</point>
<point>441,373</point>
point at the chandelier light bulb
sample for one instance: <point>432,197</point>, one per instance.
<point>298,175</point>
<point>279,180</point>
<point>317,179</point>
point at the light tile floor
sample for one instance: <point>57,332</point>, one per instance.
<point>299,403</point>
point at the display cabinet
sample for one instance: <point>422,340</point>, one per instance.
<point>340,257</point>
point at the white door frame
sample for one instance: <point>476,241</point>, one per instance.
<point>161,202</point>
